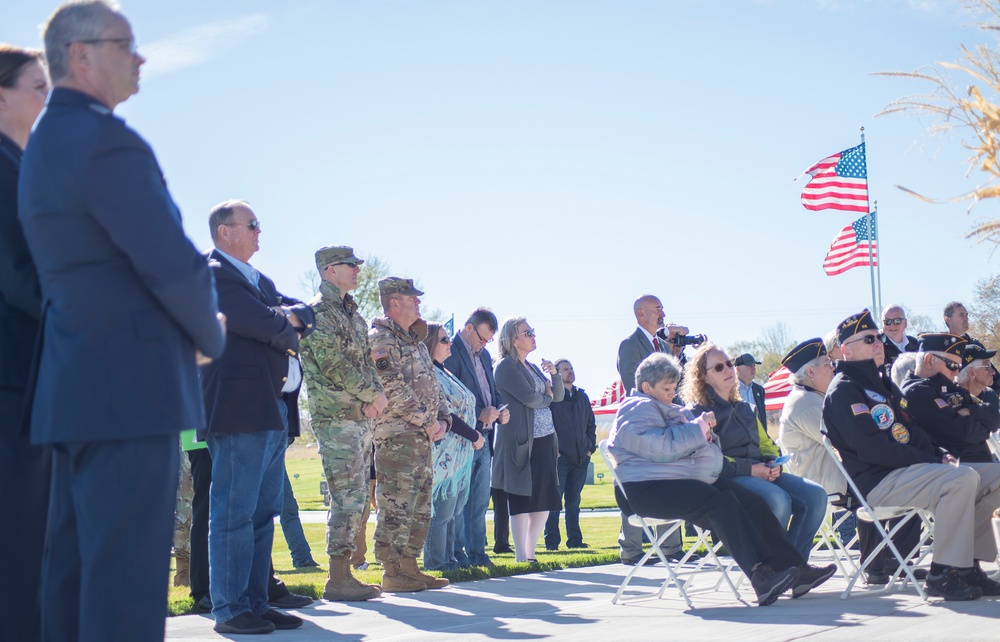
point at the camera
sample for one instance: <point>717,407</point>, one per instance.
<point>682,340</point>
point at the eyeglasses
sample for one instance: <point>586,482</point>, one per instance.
<point>129,43</point>
<point>490,340</point>
<point>252,225</point>
<point>347,263</point>
<point>444,340</point>
<point>898,321</point>
<point>719,367</point>
<point>528,333</point>
<point>868,340</point>
<point>954,367</point>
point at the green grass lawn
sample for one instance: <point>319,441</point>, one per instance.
<point>304,462</point>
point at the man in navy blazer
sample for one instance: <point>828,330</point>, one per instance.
<point>248,391</point>
<point>127,303</point>
<point>472,364</point>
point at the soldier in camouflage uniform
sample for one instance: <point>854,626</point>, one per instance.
<point>345,394</point>
<point>182,524</point>
<point>417,415</point>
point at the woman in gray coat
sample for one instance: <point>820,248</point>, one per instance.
<point>525,450</point>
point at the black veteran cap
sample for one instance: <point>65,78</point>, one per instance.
<point>941,342</point>
<point>855,324</point>
<point>973,352</point>
<point>333,254</point>
<point>397,285</point>
<point>746,359</point>
<point>803,353</point>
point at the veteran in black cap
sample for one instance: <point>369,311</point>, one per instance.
<point>954,419</point>
<point>976,374</point>
<point>799,433</point>
<point>894,463</point>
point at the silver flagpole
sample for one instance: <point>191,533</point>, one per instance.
<point>871,228</point>
<point>877,257</point>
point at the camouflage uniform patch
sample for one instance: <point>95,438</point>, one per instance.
<point>346,449</point>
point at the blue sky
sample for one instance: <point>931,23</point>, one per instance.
<point>558,159</point>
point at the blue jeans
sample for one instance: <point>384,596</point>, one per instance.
<point>473,539</point>
<point>572,478</point>
<point>792,498</point>
<point>247,485</point>
<point>438,548</point>
<point>291,526</point>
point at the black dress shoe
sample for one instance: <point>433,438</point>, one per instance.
<point>282,620</point>
<point>309,563</point>
<point>632,561</point>
<point>245,623</point>
<point>503,549</point>
<point>552,548</point>
<point>202,605</point>
<point>580,545</point>
<point>291,601</point>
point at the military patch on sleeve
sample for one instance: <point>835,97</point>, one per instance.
<point>900,433</point>
<point>874,396</point>
<point>883,416</point>
<point>859,409</point>
<point>956,399</point>
<point>903,404</point>
<point>381,358</point>
<point>941,403</point>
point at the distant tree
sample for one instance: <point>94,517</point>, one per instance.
<point>973,109</point>
<point>984,313</point>
<point>773,344</point>
<point>920,323</point>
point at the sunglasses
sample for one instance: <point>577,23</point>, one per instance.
<point>252,225</point>
<point>528,333</point>
<point>719,367</point>
<point>898,321</point>
<point>869,340</point>
<point>954,367</point>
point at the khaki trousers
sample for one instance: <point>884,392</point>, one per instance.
<point>962,500</point>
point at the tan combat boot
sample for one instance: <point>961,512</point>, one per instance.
<point>341,586</point>
<point>394,581</point>
<point>408,566</point>
<point>183,575</point>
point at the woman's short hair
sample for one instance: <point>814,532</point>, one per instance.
<point>695,389</point>
<point>433,330</point>
<point>507,335</point>
<point>904,365</point>
<point>13,60</point>
<point>800,377</point>
<point>657,367</point>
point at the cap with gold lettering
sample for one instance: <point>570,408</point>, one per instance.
<point>855,324</point>
<point>941,342</point>
<point>803,353</point>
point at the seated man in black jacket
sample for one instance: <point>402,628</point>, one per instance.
<point>955,420</point>
<point>895,464</point>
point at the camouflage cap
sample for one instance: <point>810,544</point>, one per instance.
<point>942,342</point>
<point>333,254</point>
<point>397,285</point>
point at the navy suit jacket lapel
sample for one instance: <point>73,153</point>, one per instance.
<point>226,263</point>
<point>646,344</point>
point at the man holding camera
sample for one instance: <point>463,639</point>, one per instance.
<point>647,339</point>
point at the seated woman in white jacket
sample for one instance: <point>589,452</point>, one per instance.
<point>669,463</point>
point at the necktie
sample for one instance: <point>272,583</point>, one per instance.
<point>656,344</point>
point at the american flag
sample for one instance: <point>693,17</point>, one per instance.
<point>612,395</point>
<point>777,388</point>
<point>839,182</point>
<point>850,247</point>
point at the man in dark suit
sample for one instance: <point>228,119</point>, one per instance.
<point>127,303</point>
<point>248,392</point>
<point>751,391</point>
<point>470,361</point>
<point>633,349</point>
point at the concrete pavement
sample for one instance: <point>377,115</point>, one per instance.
<point>575,604</point>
